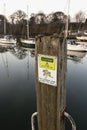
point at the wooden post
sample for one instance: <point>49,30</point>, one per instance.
<point>50,54</point>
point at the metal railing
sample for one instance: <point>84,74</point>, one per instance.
<point>71,120</point>
<point>65,114</point>
<point>32,120</point>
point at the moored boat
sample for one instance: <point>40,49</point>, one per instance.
<point>82,39</point>
<point>8,40</point>
<point>27,43</point>
<point>74,46</point>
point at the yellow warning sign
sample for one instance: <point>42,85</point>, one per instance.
<point>47,62</point>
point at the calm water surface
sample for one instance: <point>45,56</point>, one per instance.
<point>18,94</point>
<point>77,90</point>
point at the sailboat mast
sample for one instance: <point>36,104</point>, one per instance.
<point>4,19</point>
<point>27,23</point>
<point>67,22</point>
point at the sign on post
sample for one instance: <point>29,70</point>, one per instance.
<point>47,69</point>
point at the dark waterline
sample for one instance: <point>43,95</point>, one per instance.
<point>18,94</point>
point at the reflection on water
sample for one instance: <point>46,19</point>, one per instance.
<point>77,89</point>
<point>75,55</point>
<point>17,88</point>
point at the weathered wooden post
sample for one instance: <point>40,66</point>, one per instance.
<point>50,54</point>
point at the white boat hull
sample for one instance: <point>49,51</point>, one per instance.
<point>76,47</point>
<point>81,40</point>
<point>84,38</point>
<point>7,41</point>
<point>29,43</point>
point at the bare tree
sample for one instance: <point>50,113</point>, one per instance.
<point>40,18</point>
<point>18,16</point>
<point>80,17</point>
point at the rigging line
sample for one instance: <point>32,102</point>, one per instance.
<point>66,7</point>
<point>4,19</point>
<point>27,23</point>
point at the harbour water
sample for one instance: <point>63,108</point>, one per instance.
<point>18,93</point>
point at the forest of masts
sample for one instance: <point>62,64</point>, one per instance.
<point>41,23</point>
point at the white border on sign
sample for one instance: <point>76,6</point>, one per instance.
<point>46,75</point>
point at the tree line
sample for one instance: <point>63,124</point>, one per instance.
<point>40,23</point>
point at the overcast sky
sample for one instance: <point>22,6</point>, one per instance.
<point>46,6</point>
